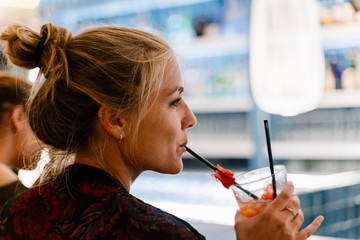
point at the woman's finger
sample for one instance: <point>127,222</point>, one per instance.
<point>289,213</point>
<point>309,230</point>
<point>292,208</point>
<point>298,220</point>
<point>283,198</point>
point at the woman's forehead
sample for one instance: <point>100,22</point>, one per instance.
<point>172,76</point>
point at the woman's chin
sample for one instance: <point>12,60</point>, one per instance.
<point>175,169</point>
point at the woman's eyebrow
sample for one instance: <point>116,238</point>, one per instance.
<point>177,89</point>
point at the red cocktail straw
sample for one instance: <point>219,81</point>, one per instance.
<point>212,166</point>
<point>270,156</point>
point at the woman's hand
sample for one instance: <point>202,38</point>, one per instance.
<point>281,219</point>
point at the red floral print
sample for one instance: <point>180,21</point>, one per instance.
<point>88,204</point>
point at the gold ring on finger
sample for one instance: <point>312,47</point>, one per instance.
<point>291,210</point>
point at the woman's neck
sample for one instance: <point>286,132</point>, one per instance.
<point>114,167</point>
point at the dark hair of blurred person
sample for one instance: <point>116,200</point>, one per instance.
<point>18,145</point>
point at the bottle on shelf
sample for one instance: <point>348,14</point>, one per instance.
<point>349,77</point>
<point>357,64</point>
<point>337,68</point>
<point>329,77</point>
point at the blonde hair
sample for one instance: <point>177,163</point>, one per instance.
<point>110,66</point>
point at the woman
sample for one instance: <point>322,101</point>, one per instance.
<point>18,144</point>
<point>111,106</point>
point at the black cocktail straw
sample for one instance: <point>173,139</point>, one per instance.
<point>270,156</point>
<point>212,166</point>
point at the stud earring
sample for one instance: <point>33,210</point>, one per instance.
<point>101,115</point>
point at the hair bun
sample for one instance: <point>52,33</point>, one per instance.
<point>40,47</point>
<point>20,45</point>
<point>51,48</point>
<point>29,49</point>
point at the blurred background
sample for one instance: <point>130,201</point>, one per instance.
<point>215,46</point>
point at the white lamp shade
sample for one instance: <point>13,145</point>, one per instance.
<point>287,66</point>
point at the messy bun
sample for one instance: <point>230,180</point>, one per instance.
<point>110,66</point>
<point>21,45</point>
<point>45,50</point>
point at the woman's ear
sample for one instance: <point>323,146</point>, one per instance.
<point>113,123</point>
<point>17,118</point>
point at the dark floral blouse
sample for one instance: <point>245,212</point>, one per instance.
<point>11,190</point>
<point>87,203</point>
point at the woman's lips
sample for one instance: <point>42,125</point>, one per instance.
<point>183,146</point>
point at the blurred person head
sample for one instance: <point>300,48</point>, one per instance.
<point>110,97</point>
<point>18,144</point>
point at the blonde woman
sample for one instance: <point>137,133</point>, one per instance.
<point>111,107</point>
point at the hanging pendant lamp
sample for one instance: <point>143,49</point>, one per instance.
<point>287,66</point>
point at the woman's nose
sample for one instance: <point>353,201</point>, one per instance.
<point>190,119</point>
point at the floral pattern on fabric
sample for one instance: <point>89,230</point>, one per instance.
<point>87,203</point>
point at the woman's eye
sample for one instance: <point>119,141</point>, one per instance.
<point>174,103</point>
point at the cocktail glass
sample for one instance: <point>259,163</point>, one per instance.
<point>259,183</point>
